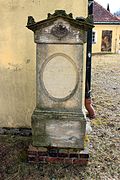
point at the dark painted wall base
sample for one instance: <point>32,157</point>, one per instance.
<point>16,131</point>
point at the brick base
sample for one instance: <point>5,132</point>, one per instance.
<point>56,155</point>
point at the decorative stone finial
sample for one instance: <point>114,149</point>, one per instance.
<point>60,13</point>
<point>90,19</point>
<point>31,21</point>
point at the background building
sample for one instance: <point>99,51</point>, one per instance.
<point>106,34</point>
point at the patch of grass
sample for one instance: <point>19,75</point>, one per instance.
<point>99,121</point>
<point>22,157</point>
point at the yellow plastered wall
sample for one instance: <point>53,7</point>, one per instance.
<point>96,48</point>
<point>17,55</point>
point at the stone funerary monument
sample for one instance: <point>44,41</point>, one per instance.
<point>59,120</point>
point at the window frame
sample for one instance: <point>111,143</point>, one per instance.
<point>94,37</point>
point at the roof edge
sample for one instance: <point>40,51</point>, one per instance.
<point>117,20</point>
<point>115,23</point>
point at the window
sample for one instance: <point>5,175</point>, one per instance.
<point>94,37</point>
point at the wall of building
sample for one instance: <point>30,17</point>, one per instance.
<point>115,37</point>
<point>17,55</point>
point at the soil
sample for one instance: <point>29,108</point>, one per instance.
<point>103,140</point>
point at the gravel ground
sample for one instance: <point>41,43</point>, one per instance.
<point>103,140</point>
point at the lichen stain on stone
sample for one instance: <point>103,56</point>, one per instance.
<point>14,67</point>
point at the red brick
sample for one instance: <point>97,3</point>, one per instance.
<point>32,152</point>
<point>31,159</point>
<point>73,155</point>
<point>80,161</point>
<point>68,161</point>
<point>42,153</point>
<point>32,155</point>
<point>86,156</point>
<point>53,152</point>
<point>62,154</point>
<point>55,160</point>
<point>55,155</point>
<point>41,159</point>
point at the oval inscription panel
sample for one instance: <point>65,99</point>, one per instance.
<point>59,76</point>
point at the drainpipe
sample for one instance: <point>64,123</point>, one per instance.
<point>88,100</point>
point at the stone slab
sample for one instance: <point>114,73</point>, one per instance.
<point>58,129</point>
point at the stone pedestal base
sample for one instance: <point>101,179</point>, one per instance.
<point>56,155</point>
<point>58,129</point>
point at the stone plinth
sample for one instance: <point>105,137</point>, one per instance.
<point>58,129</point>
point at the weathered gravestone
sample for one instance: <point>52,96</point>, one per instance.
<point>59,119</point>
